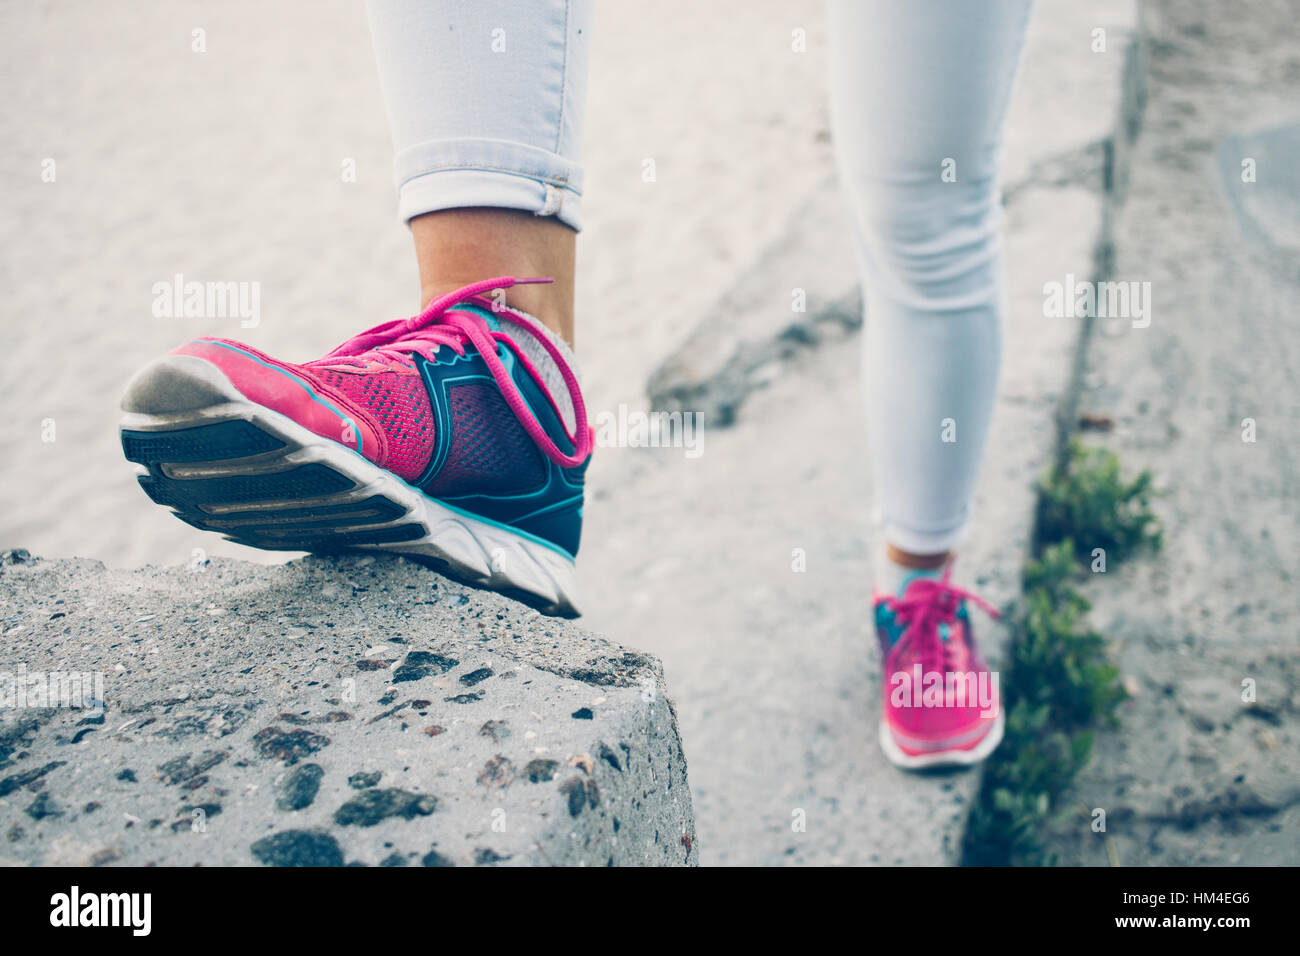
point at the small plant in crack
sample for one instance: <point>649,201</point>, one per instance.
<point>1060,685</point>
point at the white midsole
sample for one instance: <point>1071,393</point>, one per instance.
<point>942,758</point>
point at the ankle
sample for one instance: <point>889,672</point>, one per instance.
<point>458,246</point>
<point>917,562</point>
<point>893,568</point>
<point>545,306</point>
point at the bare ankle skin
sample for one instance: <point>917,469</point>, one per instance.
<point>455,247</point>
<point>921,562</point>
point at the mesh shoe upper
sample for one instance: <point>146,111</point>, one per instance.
<point>489,453</point>
<point>400,403</point>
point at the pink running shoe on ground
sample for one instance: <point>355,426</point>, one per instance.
<point>941,705</point>
<point>435,437</point>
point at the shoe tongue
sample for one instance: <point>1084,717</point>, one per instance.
<point>915,574</point>
<point>487,315</point>
<point>547,369</point>
<point>885,616</point>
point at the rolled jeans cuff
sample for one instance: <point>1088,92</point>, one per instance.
<point>924,541</point>
<point>461,173</point>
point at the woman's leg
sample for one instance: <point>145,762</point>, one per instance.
<point>485,103</point>
<point>918,95</point>
<point>471,400</point>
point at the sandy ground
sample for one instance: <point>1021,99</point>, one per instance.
<point>227,165</point>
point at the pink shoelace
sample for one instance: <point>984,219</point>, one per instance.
<point>433,328</point>
<point>925,605</point>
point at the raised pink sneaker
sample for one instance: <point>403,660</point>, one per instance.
<point>941,704</point>
<point>435,436</point>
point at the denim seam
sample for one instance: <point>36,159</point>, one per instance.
<point>564,80</point>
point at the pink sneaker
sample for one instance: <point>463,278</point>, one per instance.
<point>435,437</point>
<point>941,705</point>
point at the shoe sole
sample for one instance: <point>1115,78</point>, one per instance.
<point>942,758</point>
<point>257,477</point>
